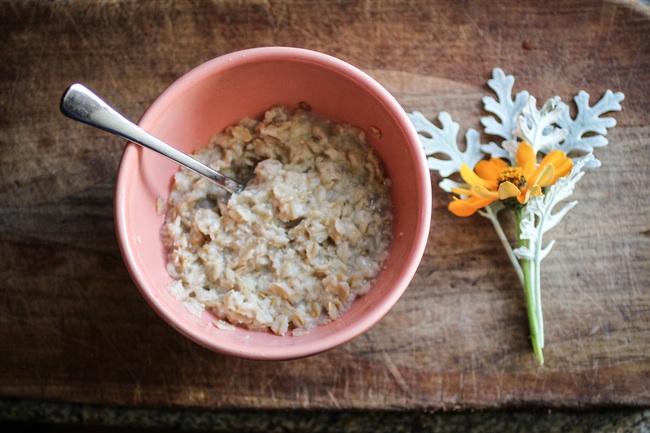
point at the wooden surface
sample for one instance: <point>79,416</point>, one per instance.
<point>73,327</point>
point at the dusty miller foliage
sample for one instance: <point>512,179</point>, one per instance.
<point>514,119</point>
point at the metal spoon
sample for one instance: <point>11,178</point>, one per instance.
<point>82,105</point>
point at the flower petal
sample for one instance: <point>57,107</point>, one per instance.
<point>461,191</point>
<point>488,170</point>
<point>526,158</point>
<point>473,179</point>
<point>555,158</point>
<point>482,192</point>
<point>468,206</point>
<point>535,191</point>
<point>523,198</point>
<point>561,164</point>
<point>507,190</point>
<point>546,177</point>
<point>563,168</point>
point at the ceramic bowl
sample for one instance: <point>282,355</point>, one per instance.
<point>219,93</point>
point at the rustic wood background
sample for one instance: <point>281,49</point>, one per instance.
<point>73,327</point>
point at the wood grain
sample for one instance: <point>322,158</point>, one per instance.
<point>74,328</point>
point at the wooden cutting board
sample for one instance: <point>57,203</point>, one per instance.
<point>73,327</point>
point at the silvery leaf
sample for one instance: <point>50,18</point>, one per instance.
<point>579,139</point>
<point>536,127</point>
<point>505,108</point>
<point>440,144</point>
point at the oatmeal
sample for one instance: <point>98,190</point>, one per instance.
<point>305,238</point>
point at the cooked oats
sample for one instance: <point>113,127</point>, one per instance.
<point>305,238</point>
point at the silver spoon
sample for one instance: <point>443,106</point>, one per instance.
<point>80,104</point>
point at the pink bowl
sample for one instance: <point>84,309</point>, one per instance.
<point>246,83</point>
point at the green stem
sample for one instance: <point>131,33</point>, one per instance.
<point>532,277</point>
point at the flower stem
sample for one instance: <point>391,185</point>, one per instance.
<point>532,277</point>
<point>491,214</point>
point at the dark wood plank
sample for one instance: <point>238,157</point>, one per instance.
<point>74,328</point>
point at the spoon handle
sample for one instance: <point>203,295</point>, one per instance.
<point>82,105</point>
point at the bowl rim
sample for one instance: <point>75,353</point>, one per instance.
<point>329,341</point>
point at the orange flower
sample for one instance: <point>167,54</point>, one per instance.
<point>495,180</point>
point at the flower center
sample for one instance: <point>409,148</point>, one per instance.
<point>514,175</point>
